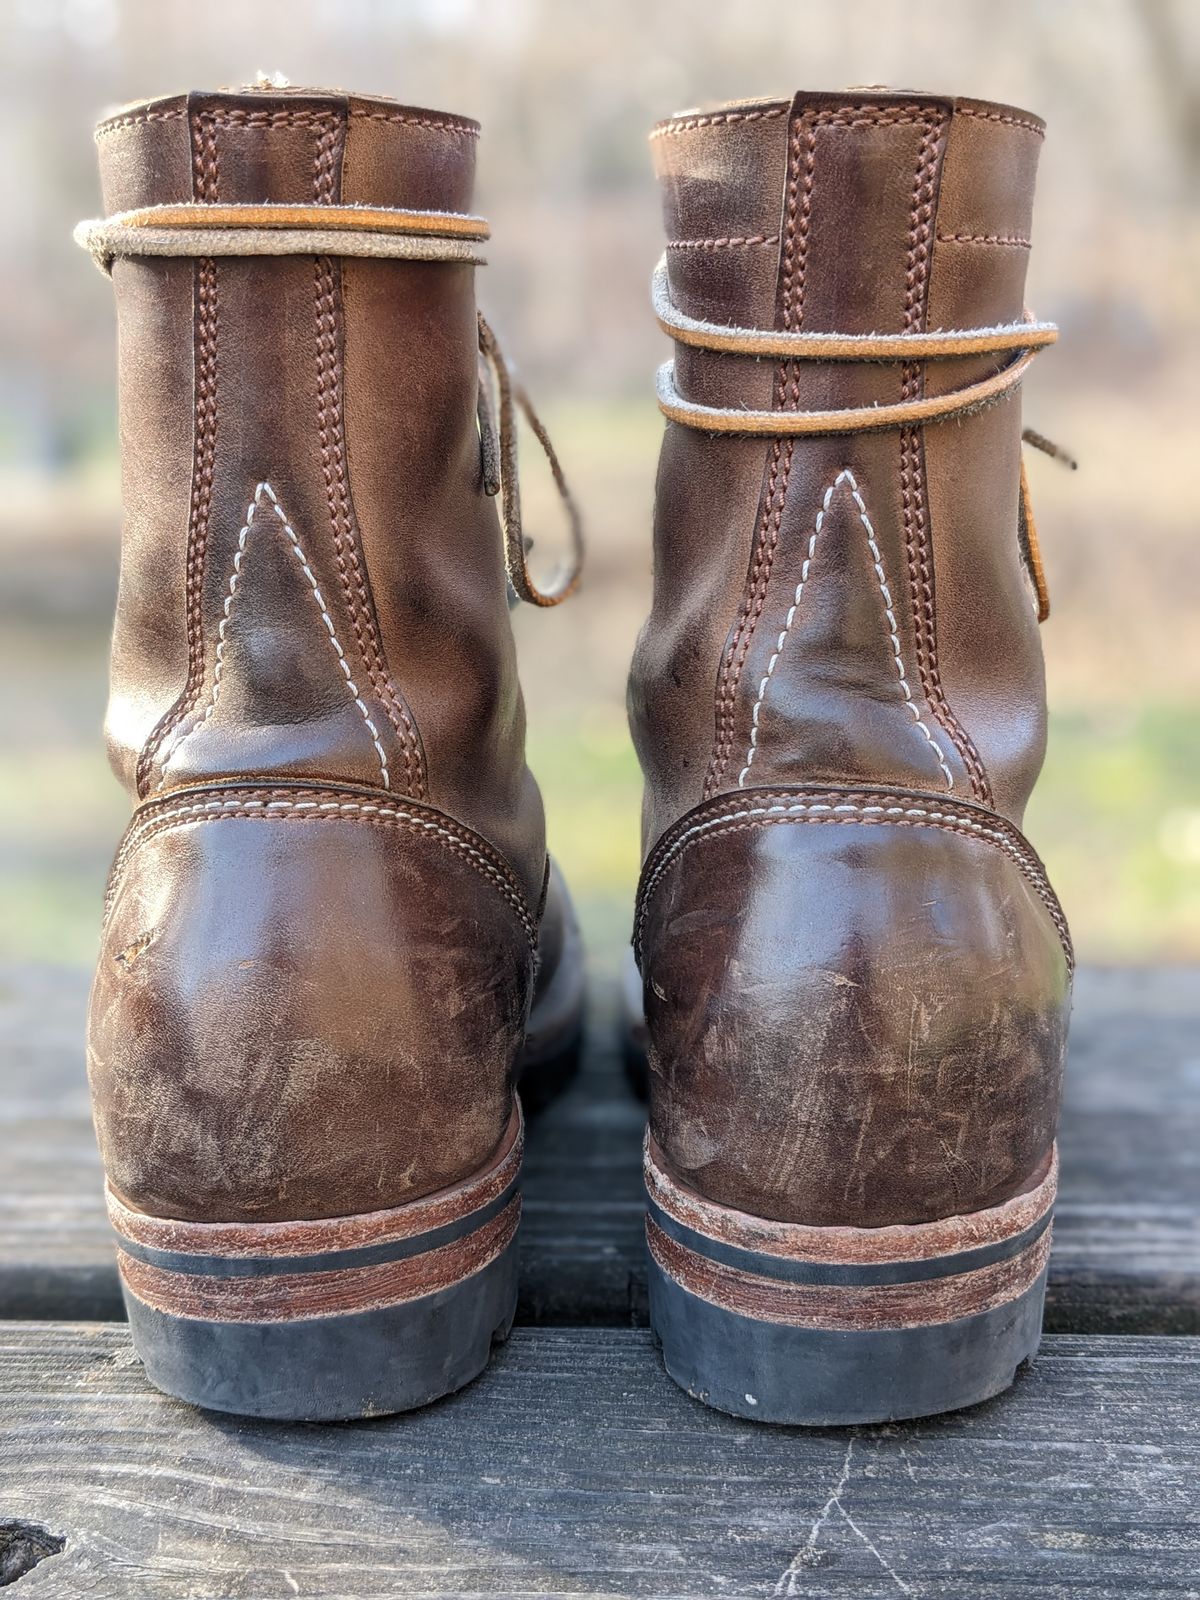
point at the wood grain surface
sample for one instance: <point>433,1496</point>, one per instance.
<point>574,1466</point>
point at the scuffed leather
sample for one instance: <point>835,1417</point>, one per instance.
<point>321,1013</point>
<point>302,1017</point>
<point>854,1023</point>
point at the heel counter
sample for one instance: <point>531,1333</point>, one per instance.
<point>856,1018</point>
<point>308,1003</point>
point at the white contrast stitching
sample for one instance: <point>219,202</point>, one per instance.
<point>845,476</point>
<point>234,577</point>
<point>211,811</point>
<point>333,638</point>
<point>859,812</point>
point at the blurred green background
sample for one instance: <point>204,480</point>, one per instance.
<point>566,94</point>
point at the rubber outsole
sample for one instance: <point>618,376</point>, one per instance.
<point>329,1369</point>
<point>813,1377</point>
<point>328,1319</point>
<point>821,1326</point>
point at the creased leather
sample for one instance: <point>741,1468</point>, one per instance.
<point>851,1022</point>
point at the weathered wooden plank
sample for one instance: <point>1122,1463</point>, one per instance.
<point>1127,1231</point>
<point>1127,1241</point>
<point>575,1466</point>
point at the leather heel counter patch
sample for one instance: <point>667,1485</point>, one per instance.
<point>865,807</point>
<point>309,1002</point>
<point>857,1005</point>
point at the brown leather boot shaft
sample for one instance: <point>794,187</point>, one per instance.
<point>867,213</point>
<point>312,577</point>
<point>322,933</point>
<point>856,973</point>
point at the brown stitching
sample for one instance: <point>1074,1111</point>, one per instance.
<point>316,117</point>
<point>733,242</point>
<point>331,435</point>
<point>766,538</point>
<point>136,119</point>
<point>206,181</point>
<point>353,579</point>
<point>850,116</point>
<point>248,807</point>
<point>999,116</point>
<point>325,162</point>
<point>871,117</point>
<point>799,219</point>
<point>1012,239</point>
<point>282,116</point>
<point>272,117</point>
<point>798,216</point>
<point>912,482</point>
<point>920,223</point>
<point>950,816</point>
<point>688,124</point>
<point>797,213</point>
<point>465,129</point>
<point>767,534</point>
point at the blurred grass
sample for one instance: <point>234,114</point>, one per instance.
<point>1116,818</point>
<point>593,792</point>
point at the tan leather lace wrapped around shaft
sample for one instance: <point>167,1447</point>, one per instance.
<point>373,219</point>
<point>1021,341</point>
<point>852,419</point>
<point>208,229</point>
<point>802,345</point>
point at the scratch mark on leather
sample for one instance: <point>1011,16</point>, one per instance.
<point>125,958</point>
<point>844,477</point>
<point>264,489</point>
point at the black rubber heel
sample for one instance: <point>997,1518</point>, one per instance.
<point>819,1377</point>
<point>813,1326</point>
<point>331,1319</point>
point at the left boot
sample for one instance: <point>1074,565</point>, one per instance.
<point>333,939</point>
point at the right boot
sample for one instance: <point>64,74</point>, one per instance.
<point>856,974</point>
<point>332,935</point>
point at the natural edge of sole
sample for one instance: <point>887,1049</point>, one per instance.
<point>329,1319</point>
<point>827,1326</point>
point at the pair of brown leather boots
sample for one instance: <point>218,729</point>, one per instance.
<point>333,942</point>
